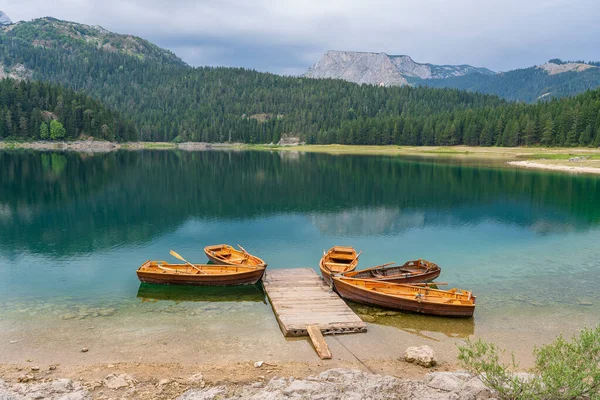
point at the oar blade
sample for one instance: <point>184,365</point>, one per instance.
<point>174,254</point>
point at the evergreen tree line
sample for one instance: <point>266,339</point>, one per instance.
<point>37,110</point>
<point>567,122</point>
<point>170,101</point>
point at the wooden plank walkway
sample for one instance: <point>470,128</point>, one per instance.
<point>300,298</point>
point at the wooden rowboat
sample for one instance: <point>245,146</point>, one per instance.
<point>200,274</point>
<point>339,259</point>
<point>224,254</point>
<point>424,300</point>
<point>411,272</point>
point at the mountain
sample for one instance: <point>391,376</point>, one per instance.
<point>171,101</point>
<point>553,79</point>
<point>382,69</point>
<point>50,33</point>
<point>4,19</point>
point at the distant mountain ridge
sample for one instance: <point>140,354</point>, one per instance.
<point>52,33</point>
<point>383,69</point>
<point>555,78</point>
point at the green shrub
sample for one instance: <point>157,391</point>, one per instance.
<point>57,130</point>
<point>562,370</point>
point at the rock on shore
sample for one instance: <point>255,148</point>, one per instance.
<point>422,355</point>
<point>352,385</point>
<point>339,383</point>
<point>64,389</point>
<point>100,146</point>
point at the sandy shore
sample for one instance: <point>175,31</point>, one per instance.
<point>591,167</point>
<point>498,153</point>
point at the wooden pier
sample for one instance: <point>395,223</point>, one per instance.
<point>300,298</point>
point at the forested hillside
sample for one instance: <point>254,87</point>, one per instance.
<point>35,110</point>
<point>169,100</point>
<point>529,84</point>
<point>565,122</point>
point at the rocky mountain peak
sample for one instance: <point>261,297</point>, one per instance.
<point>383,69</point>
<point>556,66</point>
<point>4,18</point>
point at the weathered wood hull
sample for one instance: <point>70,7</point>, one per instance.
<point>365,296</point>
<point>226,255</point>
<point>214,259</point>
<point>249,278</point>
<point>325,274</point>
<point>215,275</point>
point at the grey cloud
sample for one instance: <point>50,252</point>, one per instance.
<point>289,35</point>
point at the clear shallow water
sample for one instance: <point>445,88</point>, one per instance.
<point>74,228</point>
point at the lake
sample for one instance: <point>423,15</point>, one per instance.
<point>75,227</point>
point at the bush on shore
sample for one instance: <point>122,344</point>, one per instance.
<point>563,369</point>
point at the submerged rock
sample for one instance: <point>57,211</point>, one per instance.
<point>423,356</point>
<point>367,318</point>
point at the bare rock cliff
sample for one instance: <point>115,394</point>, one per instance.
<point>383,69</point>
<point>4,19</point>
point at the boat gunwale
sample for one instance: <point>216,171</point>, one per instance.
<point>249,269</point>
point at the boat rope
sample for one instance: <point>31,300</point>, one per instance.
<point>354,355</point>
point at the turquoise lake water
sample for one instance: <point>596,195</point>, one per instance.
<point>75,227</point>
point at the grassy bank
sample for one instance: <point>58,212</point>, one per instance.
<point>557,159</point>
<point>461,151</point>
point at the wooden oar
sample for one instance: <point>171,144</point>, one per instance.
<point>356,258</point>
<point>247,255</point>
<point>174,254</point>
<point>243,249</point>
<point>428,284</point>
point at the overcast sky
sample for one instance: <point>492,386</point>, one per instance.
<point>287,36</point>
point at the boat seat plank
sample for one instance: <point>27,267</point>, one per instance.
<point>332,264</point>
